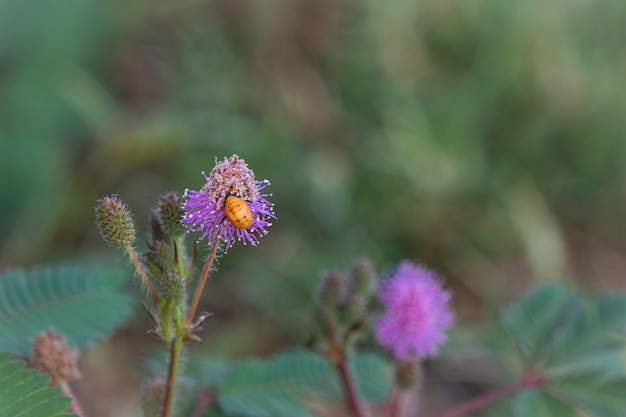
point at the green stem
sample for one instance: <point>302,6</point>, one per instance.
<point>142,274</point>
<point>176,350</point>
<point>203,277</point>
<point>180,258</point>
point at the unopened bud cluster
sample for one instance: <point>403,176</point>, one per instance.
<point>115,221</point>
<point>343,300</point>
<point>165,256</point>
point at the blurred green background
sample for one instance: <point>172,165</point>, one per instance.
<point>484,138</point>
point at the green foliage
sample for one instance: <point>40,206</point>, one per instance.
<point>288,383</point>
<point>25,393</point>
<point>579,347</point>
<point>540,404</point>
<point>83,304</point>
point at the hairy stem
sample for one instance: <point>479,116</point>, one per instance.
<point>530,380</point>
<point>176,350</point>
<point>203,277</point>
<point>180,257</point>
<point>142,274</point>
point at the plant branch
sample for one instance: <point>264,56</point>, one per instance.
<point>142,274</point>
<point>348,387</point>
<point>532,379</point>
<point>393,407</point>
<point>203,277</point>
<point>176,350</point>
<point>74,406</point>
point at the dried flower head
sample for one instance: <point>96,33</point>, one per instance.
<point>53,357</point>
<point>417,312</point>
<point>244,216</point>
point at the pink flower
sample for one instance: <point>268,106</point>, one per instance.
<point>417,312</point>
<point>205,209</point>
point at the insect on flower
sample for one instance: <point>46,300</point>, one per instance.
<point>238,212</point>
<point>231,205</point>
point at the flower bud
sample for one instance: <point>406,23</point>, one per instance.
<point>172,212</point>
<point>408,372</point>
<point>160,257</point>
<point>325,321</point>
<point>364,278</point>
<point>156,228</point>
<point>172,287</point>
<point>353,311</point>
<point>331,288</point>
<point>153,398</point>
<point>115,221</point>
<point>172,296</point>
<point>53,357</point>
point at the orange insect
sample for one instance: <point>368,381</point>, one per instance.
<point>238,212</point>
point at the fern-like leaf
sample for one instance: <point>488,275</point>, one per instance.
<point>25,393</point>
<point>540,404</point>
<point>532,320</point>
<point>287,384</point>
<point>83,304</point>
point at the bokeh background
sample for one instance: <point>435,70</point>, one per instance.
<point>484,138</point>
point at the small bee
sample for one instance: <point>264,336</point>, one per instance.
<point>238,212</point>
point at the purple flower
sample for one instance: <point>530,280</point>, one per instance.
<point>417,312</point>
<point>205,210</point>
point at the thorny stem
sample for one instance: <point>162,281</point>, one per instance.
<point>532,379</point>
<point>203,277</point>
<point>74,406</point>
<point>176,350</point>
<point>142,274</point>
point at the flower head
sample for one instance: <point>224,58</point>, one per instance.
<point>417,312</point>
<point>52,356</point>
<point>206,209</point>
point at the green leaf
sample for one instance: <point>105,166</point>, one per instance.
<point>83,304</point>
<point>612,312</point>
<point>25,393</point>
<point>592,393</point>
<point>540,404</point>
<point>532,320</point>
<point>286,384</point>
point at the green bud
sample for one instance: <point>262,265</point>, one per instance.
<point>153,398</point>
<point>173,287</point>
<point>408,372</point>
<point>331,288</point>
<point>171,211</point>
<point>364,278</point>
<point>325,321</point>
<point>353,311</point>
<point>160,257</point>
<point>172,296</point>
<point>115,221</point>
<point>156,228</point>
